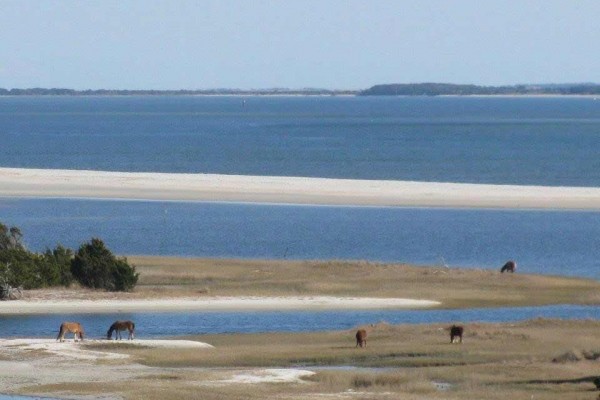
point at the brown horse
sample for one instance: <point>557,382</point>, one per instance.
<point>361,338</point>
<point>73,327</point>
<point>456,331</point>
<point>119,326</point>
<point>510,266</point>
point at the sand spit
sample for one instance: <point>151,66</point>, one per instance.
<point>17,182</point>
<point>210,304</point>
<point>82,350</point>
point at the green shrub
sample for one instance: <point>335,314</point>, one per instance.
<point>19,267</point>
<point>96,267</point>
<point>57,269</point>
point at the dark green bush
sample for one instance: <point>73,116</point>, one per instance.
<point>96,267</point>
<point>19,267</point>
<point>93,266</point>
<point>57,270</point>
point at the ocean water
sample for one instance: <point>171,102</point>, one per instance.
<point>544,242</point>
<point>537,141</point>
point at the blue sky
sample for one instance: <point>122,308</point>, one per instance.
<point>333,44</point>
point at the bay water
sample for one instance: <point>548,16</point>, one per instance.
<point>525,141</point>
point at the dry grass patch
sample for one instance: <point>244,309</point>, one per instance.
<point>170,277</point>
<point>496,361</point>
<point>454,287</point>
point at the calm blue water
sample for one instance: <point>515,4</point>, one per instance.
<point>546,242</point>
<point>539,141</point>
<point>150,325</point>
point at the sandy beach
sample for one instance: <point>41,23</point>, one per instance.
<point>246,303</point>
<point>46,183</point>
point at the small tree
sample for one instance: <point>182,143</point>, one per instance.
<point>96,267</point>
<point>10,239</point>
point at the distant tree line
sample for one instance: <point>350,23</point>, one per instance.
<point>448,89</point>
<point>207,92</point>
<point>92,265</point>
<point>396,89</point>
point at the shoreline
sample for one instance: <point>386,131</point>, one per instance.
<point>144,186</point>
<point>217,303</point>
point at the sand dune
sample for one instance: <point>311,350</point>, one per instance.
<point>16,182</point>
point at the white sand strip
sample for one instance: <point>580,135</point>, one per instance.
<point>268,375</point>
<point>80,350</point>
<point>15,182</point>
<point>210,304</point>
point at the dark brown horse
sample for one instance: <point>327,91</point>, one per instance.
<point>74,327</point>
<point>456,332</point>
<point>510,266</point>
<point>361,338</point>
<point>119,326</point>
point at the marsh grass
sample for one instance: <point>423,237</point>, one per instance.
<point>454,287</point>
<point>496,361</point>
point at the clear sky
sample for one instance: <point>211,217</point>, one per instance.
<point>336,44</point>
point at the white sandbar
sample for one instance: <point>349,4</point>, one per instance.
<point>210,304</point>
<point>81,350</point>
<point>45,183</point>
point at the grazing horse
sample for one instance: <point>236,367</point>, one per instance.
<point>456,332</point>
<point>361,338</point>
<point>119,326</point>
<point>73,327</point>
<point>510,266</point>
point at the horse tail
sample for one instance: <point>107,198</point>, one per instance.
<point>132,326</point>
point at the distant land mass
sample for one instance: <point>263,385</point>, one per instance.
<point>449,89</point>
<point>182,92</point>
<point>394,89</point>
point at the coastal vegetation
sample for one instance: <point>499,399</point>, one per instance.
<point>449,89</point>
<point>395,89</point>
<point>453,287</point>
<point>182,92</point>
<point>93,265</point>
<point>495,361</point>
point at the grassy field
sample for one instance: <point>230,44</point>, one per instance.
<point>455,288</point>
<point>538,359</point>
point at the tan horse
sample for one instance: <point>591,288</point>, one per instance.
<point>361,338</point>
<point>73,327</point>
<point>119,326</point>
